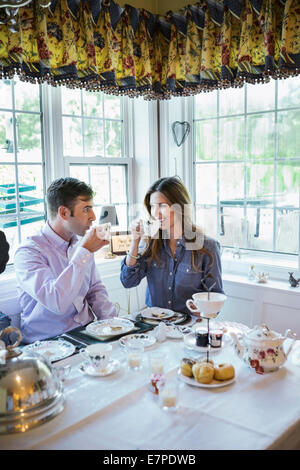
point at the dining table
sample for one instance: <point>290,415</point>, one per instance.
<point>120,411</point>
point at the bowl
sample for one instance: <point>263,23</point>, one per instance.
<point>209,304</point>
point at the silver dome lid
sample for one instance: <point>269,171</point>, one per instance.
<point>30,393</point>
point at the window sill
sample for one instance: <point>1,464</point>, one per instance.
<point>271,284</point>
<point>278,266</point>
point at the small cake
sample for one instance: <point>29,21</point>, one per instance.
<point>205,361</point>
<point>203,372</point>
<point>224,372</point>
<point>116,328</point>
<point>186,366</point>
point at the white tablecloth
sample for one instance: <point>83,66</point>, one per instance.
<point>119,411</point>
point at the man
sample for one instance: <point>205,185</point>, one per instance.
<point>4,250</point>
<point>60,288</point>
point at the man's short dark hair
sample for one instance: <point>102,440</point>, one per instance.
<point>64,192</point>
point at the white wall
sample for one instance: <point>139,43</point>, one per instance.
<point>276,304</point>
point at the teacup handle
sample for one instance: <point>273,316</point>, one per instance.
<point>83,353</point>
<point>191,309</point>
<point>290,334</point>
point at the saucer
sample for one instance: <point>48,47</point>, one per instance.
<point>213,384</point>
<point>190,343</point>
<point>111,367</point>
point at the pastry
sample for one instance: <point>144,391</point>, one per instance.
<point>205,361</point>
<point>203,372</point>
<point>224,372</point>
<point>186,366</point>
<point>116,328</point>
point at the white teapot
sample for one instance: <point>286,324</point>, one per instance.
<point>262,349</point>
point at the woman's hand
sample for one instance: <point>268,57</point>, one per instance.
<point>137,229</point>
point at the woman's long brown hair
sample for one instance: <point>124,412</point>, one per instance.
<point>175,192</point>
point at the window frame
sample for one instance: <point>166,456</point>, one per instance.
<point>58,164</point>
<point>53,164</point>
<point>278,264</point>
<point>15,163</point>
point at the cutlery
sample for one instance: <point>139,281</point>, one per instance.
<point>75,342</point>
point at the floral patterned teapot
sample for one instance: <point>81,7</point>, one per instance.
<point>262,349</point>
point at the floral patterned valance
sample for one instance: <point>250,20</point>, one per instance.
<point>98,45</point>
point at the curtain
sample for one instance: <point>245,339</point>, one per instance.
<point>98,45</point>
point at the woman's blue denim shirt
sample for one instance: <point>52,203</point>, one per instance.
<point>172,281</point>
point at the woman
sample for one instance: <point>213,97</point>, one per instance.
<point>178,260</point>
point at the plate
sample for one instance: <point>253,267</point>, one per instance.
<point>144,339</point>
<point>213,384</point>
<point>157,313</point>
<point>110,327</point>
<point>190,343</point>
<point>111,367</point>
<point>53,350</point>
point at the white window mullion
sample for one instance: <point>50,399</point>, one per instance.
<point>52,115</point>
<point>15,138</point>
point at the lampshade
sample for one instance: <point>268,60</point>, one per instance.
<point>108,214</point>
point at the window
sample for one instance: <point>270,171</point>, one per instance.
<point>92,135</point>
<point>93,146</point>
<point>247,165</point>
<point>21,161</point>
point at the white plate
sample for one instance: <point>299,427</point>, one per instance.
<point>157,313</point>
<point>190,343</point>
<point>110,327</point>
<point>213,384</point>
<point>111,367</point>
<point>53,350</point>
<point>142,338</point>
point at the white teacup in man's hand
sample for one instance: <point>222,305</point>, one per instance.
<point>103,231</point>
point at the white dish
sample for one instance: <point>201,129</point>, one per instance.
<point>157,313</point>
<point>190,343</point>
<point>110,327</point>
<point>142,338</point>
<point>111,367</point>
<point>53,350</point>
<point>213,384</point>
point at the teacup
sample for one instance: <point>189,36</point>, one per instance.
<point>206,304</point>
<point>97,355</point>
<point>150,227</point>
<point>103,231</point>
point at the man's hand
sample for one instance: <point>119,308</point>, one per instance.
<point>94,239</point>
